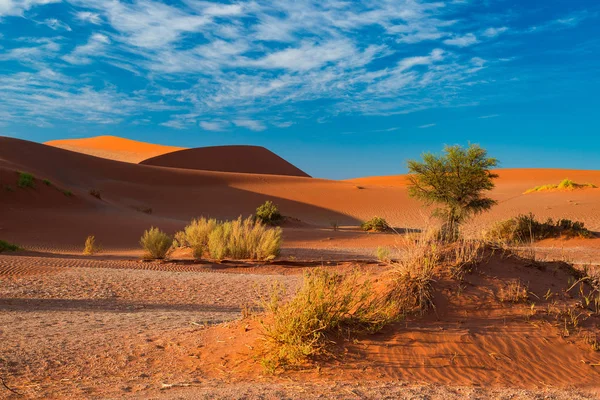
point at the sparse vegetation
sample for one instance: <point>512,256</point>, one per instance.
<point>26,180</point>
<point>375,224</point>
<point>96,193</point>
<point>526,228</point>
<point>179,240</point>
<point>5,246</point>
<point>456,181</point>
<point>327,305</point>
<point>156,244</point>
<point>9,188</point>
<point>383,254</point>
<point>513,292</point>
<point>91,247</point>
<point>239,239</point>
<point>565,184</point>
<point>47,182</point>
<point>67,193</point>
<point>143,209</point>
<point>268,213</point>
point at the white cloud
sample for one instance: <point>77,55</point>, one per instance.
<point>462,41</point>
<point>18,7</point>
<point>493,32</point>
<point>427,126</point>
<point>55,24</point>
<point>489,116</point>
<point>87,16</point>
<point>251,124</point>
<point>285,124</point>
<point>215,126</point>
<point>83,54</point>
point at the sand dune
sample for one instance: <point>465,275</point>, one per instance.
<point>246,159</point>
<point>114,148</point>
<point>177,195</point>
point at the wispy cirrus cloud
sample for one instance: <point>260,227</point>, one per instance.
<point>251,124</point>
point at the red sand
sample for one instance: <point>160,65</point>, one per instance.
<point>114,148</point>
<point>245,159</point>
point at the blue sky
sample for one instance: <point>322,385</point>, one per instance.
<point>340,88</point>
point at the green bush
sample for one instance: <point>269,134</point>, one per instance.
<point>565,184</point>
<point>156,243</point>
<point>26,180</point>
<point>375,224</point>
<point>526,228</point>
<point>47,182</point>
<point>5,246</point>
<point>196,235</point>
<point>268,213</point>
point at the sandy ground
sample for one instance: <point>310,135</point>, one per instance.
<point>111,326</point>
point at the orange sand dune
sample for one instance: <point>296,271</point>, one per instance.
<point>114,148</point>
<point>246,159</point>
<point>45,217</point>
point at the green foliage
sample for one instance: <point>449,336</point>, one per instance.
<point>455,181</point>
<point>91,247</point>
<point>26,180</point>
<point>156,243</point>
<point>5,246</point>
<point>67,193</point>
<point>375,224</point>
<point>327,304</point>
<point>238,239</point>
<point>565,184</point>
<point>526,228</point>
<point>47,182</point>
<point>180,240</point>
<point>268,213</point>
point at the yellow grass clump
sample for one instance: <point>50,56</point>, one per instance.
<point>157,244</point>
<point>91,247</point>
<point>565,184</point>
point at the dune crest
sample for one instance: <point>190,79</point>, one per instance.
<point>114,148</point>
<point>242,159</point>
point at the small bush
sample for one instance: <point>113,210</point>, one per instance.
<point>96,193</point>
<point>196,235</point>
<point>526,228</point>
<point>9,188</point>
<point>67,193</point>
<point>143,209</point>
<point>156,243</point>
<point>383,254</point>
<point>47,182</point>
<point>238,239</point>
<point>375,224</point>
<point>91,247</point>
<point>328,304</point>
<point>179,240</point>
<point>26,180</point>
<point>565,184</point>
<point>268,213</point>
<point>513,292</point>
<point>5,246</point>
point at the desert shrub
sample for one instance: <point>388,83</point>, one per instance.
<point>26,180</point>
<point>244,239</point>
<point>196,235</point>
<point>565,184</point>
<point>268,213</point>
<point>5,246</point>
<point>96,193</point>
<point>327,304</point>
<point>375,224</point>
<point>526,228</point>
<point>383,254</point>
<point>47,182</point>
<point>67,193</point>
<point>9,188</point>
<point>180,240</point>
<point>241,239</point>
<point>156,244</point>
<point>513,292</point>
<point>91,247</point>
<point>143,209</point>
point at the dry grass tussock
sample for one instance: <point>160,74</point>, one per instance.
<point>239,239</point>
<point>565,184</point>
<point>330,304</point>
<point>156,244</point>
<point>91,247</point>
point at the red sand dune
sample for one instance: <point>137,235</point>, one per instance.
<point>114,148</point>
<point>45,217</point>
<point>246,159</point>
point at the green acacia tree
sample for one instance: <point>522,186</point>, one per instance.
<point>456,181</point>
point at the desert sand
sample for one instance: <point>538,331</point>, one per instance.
<point>112,326</point>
